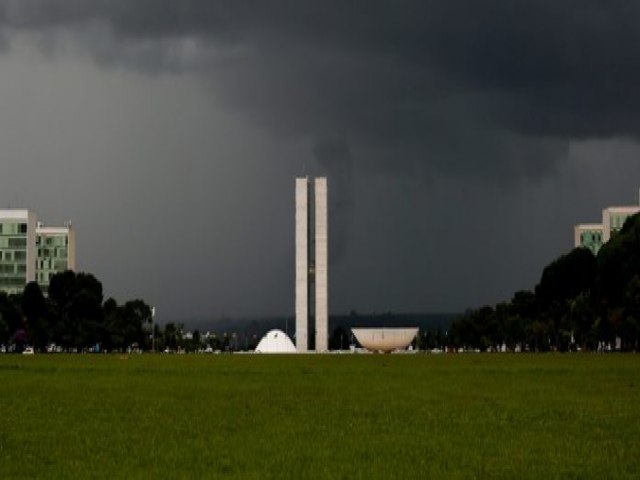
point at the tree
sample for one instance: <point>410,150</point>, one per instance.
<point>593,299</point>
<point>136,318</point>
<point>170,336</point>
<point>633,312</point>
<point>562,280</point>
<point>524,305</point>
<point>196,339</point>
<point>76,308</point>
<point>514,330</point>
<point>35,312</point>
<point>4,330</point>
<point>113,333</point>
<point>10,315</point>
<point>582,318</point>
<point>566,277</point>
<point>537,335</point>
<point>86,312</point>
<point>339,339</point>
<point>477,328</point>
<point>618,268</point>
<point>618,262</point>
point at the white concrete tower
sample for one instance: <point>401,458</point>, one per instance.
<point>321,264</point>
<point>302,263</point>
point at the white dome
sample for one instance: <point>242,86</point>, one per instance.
<point>275,341</point>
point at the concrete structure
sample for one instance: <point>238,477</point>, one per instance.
<point>56,252</point>
<point>594,235</point>
<point>613,219</point>
<point>275,341</point>
<point>321,265</point>
<point>31,252</point>
<point>311,264</point>
<point>385,339</point>
<point>17,249</point>
<point>302,264</point>
<point>588,235</point>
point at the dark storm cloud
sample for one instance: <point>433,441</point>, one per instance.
<point>333,155</point>
<point>412,76</point>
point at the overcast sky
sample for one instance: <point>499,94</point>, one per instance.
<point>462,140</point>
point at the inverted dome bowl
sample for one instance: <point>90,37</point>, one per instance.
<point>385,339</point>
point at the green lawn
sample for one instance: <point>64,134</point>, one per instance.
<point>320,416</point>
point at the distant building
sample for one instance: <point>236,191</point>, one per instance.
<point>56,248</point>
<point>588,235</point>
<point>594,235</point>
<point>17,249</point>
<point>31,252</point>
<point>613,219</point>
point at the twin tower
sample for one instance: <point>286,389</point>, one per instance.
<point>311,263</point>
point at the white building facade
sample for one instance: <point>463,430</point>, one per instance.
<point>302,264</point>
<point>594,235</point>
<point>56,247</point>
<point>17,249</point>
<point>321,270</point>
<point>31,252</point>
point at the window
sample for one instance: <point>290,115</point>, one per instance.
<point>18,281</point>
<point>17,242</point>
<point>22,228</point>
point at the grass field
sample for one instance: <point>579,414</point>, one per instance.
<point>320,416</point>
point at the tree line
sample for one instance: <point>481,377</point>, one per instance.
<point>581,301</point>
<point>73,316</point>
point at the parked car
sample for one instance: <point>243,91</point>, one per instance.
<point>28,351</point>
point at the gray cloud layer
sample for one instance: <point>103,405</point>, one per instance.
<point>530,61</point>
<point>437,98</point>
<point>409,74</point>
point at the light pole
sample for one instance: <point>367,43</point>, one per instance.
<point>153,330</point>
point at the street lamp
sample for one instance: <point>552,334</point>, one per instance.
<point>153,330</point>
